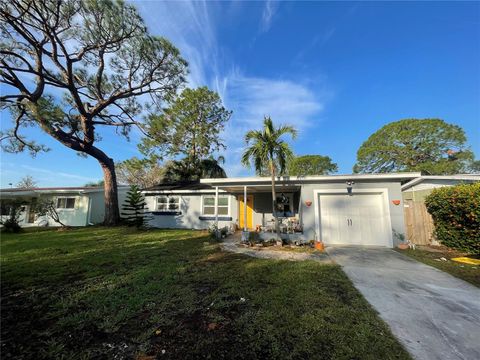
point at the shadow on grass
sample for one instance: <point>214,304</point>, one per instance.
<point>102,293</point>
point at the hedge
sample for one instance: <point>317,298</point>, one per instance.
<point>456,214</point>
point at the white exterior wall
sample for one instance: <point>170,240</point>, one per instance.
<point>393,193</point>
<point>71,217</point>
<point>97,207</point>
<point>191,208</point>
<point>89,208</point>
<point>191,213</point>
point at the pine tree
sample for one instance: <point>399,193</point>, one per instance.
<point>133,208</point>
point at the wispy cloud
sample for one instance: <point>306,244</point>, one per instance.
<point>268,13</point>
<point>252,98</point>
<point>55,174</point>
<point>192,27</point>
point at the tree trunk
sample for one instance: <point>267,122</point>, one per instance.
<point>274,203</point>
<point>112,213</point>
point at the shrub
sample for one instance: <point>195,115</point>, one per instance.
<point>11,223</point>
<point>134,208</point>
<point>456,214</point>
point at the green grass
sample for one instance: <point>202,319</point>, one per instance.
<point>467,272</point>
<point>105,293</point>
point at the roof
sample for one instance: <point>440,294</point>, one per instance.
<point>458,177</point>
<point>313,179</point>
<point>58,190</point>
<point>180,185</point>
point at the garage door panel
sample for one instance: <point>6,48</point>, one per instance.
<point>353,220</point>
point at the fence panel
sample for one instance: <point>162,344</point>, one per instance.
<point>419,223</point>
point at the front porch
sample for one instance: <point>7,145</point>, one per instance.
<point>254,210</point>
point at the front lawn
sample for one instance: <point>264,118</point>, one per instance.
<point>117,293</point>
<point>433,256</point>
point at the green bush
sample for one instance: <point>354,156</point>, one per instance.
<point>456,214</point>
<point>14,208</point>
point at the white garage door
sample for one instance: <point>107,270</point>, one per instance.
<point>358,219</point>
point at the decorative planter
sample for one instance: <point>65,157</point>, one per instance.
<point>403,246</point>
<point>308,203</point>
<point>396,202</point>
<point>319,246</point>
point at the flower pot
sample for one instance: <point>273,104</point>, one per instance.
<point>319,246</point>
<point>403,246</point>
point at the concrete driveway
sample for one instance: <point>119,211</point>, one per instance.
<point>433,314</point>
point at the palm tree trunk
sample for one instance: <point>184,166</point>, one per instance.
<point>274,202</point>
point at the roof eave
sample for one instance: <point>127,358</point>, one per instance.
<point>308,179</point>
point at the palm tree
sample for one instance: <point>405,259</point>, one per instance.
<point>269,153</point>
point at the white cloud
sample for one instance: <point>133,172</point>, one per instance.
<point>192,27</point>
<point>252,98</point>
<point>269,11</point>
<point>55,174</point>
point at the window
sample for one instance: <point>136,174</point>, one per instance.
<point>5,209</point>
<point>66,203</point>
<point>209,205</point>
<point>168,203</point>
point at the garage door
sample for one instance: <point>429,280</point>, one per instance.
<point>358,219</point>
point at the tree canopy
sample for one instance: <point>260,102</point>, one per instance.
<point>191,127</point>
<point>141,172</point>
<point>27,182</point>
<point>178,170</point>
<point>431,146</point>
<point>311,165</point>
<point>266,149</point>
<point>72,66</point>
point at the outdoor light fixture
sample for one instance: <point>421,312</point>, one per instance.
<point>350,184</point>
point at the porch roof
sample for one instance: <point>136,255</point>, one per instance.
<point>259,188</point>
<point>291,182</point>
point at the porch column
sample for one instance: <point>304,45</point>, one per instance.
<point>245,208</point>
<point>216,207</point>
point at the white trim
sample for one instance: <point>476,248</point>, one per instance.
<point>228,196</point>
<point>386,208</point>
<point>439,177</point>
<point>302,179</point>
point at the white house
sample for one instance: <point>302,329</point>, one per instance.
<point>357,209</point>
<point>76,206</point>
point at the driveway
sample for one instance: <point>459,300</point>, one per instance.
<point>433,314</point>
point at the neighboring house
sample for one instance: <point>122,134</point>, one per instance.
<point>418,222</point>
<point>337,209</point>
<point>76,206</point>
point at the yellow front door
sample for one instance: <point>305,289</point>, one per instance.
<point>241,212</point>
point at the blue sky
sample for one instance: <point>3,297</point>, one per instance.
<point>338,71</point>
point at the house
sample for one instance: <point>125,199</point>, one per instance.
<point>359,209</point>
<point>76,206</point>
<point>418,222</point>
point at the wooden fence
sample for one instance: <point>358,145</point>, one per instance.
<point>418,222</point>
